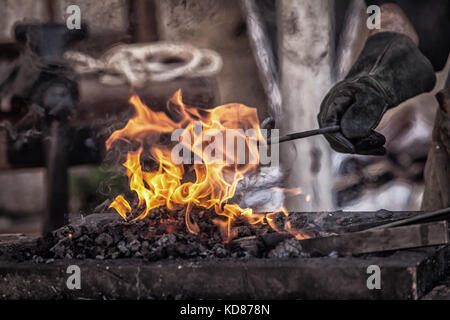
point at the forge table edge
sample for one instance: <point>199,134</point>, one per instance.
<point>406,274</point>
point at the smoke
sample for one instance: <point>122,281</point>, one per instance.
<point>261,190</point>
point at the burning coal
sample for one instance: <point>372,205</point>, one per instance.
<point>217,164</point>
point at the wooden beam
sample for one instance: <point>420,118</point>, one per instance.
<point>387,239</point>
<point>12,237</point>
<point>305,53</point>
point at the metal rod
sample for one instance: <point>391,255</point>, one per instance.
<point>426,216</point>
<point>304,134</point>
<point>57,177</point>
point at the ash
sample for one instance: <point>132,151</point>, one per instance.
<point>289,248</point>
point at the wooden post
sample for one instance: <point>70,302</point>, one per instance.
<point>143,20</point>
<point>306,47</point>
<point>378,240</point>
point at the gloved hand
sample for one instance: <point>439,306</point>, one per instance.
<point>390,70</point>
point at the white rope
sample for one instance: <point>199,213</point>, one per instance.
<point>138,64</point>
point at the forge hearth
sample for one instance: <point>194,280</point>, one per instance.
<point>121,259</point>
<point>406,275</point>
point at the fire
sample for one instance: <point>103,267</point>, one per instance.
<point>217,170</point>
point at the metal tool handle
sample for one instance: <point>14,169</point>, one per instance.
<point>304,134</point>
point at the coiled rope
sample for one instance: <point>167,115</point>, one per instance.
<point>137,64</point>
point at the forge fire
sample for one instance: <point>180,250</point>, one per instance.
<point>214,150</point>
<point>217,170</point>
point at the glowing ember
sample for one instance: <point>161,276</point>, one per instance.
<point>218,163</point>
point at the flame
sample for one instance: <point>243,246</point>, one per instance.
<point>216,173</point>
<point>298,234</point>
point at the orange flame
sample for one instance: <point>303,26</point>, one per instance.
<point>216,173</point>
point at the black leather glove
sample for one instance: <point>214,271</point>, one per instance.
<point>390,70</point>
